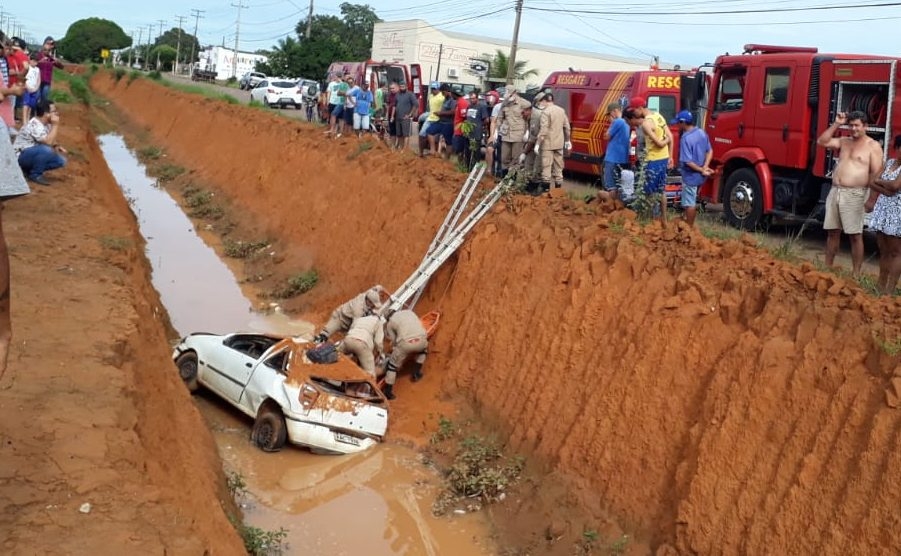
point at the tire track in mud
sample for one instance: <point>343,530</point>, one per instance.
<point>709,397</point>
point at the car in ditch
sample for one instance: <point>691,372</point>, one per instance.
<point>277,93</point>
<point>330,408</point>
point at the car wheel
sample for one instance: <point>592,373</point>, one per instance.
<point>187,369</point>
<point>743,199</point>
<point>269,430</point>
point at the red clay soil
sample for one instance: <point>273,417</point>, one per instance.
<point>711,398</point>
<point>91,407</point>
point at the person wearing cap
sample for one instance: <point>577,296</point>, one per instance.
<point>426,119</point>
<point>444,127</point>
<point>362,100</point>
<point>658,155</point>
<point>365,336</point>
<point>695,154</point>
<point>511,127</point>
<point>531,162</point>
<point>364,303</point>
<point>553,141</point>
<point>460,139</point>
<point>17,60</point>
<point>616,155</point>
<point>408,338</point>
<point>46,62</point>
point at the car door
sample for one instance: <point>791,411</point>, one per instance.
<point>778,123</point>
<point>228,368</point>
<point>268,370</point>
<point>729,125</point>
<point>259,92</point>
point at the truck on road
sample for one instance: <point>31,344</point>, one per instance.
<point>764,109</point>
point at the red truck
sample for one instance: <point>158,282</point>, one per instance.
<point>764,110</point>
<point>381,74</point>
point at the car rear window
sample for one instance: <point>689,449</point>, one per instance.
<point>283,84</point>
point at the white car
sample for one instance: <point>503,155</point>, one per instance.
<point>335,408</point>
<point>277,93</point>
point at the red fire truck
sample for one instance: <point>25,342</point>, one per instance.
<point>381,74</point>
<point>764,111</point>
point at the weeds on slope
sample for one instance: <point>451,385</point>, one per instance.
<point>257,541</point>
<point>296,285</point>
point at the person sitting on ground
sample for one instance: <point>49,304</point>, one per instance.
<point>36,145</point>
<point>408,337</point>
<point>363,304</point>
<point>885,204</point>
<point>365,336</point>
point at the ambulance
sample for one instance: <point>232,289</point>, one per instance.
<point>585,96</point>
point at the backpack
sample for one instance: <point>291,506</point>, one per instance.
<point>323,354</point>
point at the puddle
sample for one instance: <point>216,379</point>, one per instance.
<point>375,503</point>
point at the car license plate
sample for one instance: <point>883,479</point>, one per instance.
<point>347,439</point>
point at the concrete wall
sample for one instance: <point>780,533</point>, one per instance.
<point>416,42</point>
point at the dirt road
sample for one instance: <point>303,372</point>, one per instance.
<point>101,451</point>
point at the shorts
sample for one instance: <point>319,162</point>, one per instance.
<point>655,176</point>
<point>403,127</point>
<point>613,172</point>
<point>337,110</point>
<point>392,128</point>
<point>424,130</point>
<point>30,99</point>
<point>690,195</point>
<point>348,116</point>
<point>444,129</point>
<point>361,122</point>
<point>461,143</point>
<point>844,209</point>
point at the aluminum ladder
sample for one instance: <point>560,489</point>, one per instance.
<point>446,246</point>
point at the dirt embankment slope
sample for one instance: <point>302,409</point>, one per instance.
<point>91,408</point>
<point>715,400</point>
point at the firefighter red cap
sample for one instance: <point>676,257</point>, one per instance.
<point>637,102</point>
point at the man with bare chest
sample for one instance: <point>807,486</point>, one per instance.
<point>859,161</point>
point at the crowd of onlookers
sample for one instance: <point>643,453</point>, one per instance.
<point>27,110</point>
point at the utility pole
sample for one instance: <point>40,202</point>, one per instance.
<point>309,22</point>
<point>147,47</point>
<point>511,61</point>
<point>181,21</point>
<point>196,15</point>
<point>130,50</point>
<point>240,5</point>
<point>161,22</point>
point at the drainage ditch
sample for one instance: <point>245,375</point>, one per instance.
<point>378,502</point>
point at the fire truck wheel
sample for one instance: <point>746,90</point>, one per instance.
<point>743,199</point>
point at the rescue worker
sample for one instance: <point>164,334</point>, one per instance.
<point>408,337</point>
<point>553,140</point>
<point>511,127</point>
<point>365,335</point>
<point>363,304</point>
<point>530,161</point>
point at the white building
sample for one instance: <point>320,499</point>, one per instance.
<point>221,60</point>
<point>451,57</point>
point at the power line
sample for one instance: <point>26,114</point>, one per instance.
<point>240,5</point>
<point>724,12</point>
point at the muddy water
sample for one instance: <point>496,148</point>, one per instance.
<point>377,503</point>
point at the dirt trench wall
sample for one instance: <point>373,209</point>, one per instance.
<point>714,399</point>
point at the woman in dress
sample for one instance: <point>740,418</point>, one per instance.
<point>885,202</point>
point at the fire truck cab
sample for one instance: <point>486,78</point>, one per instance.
<point>765,109</point>
<point>380,74</point>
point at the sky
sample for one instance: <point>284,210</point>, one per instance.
<point>675,30</point>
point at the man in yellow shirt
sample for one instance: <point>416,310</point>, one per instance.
<point>658,152</point>
<point>435,100</point>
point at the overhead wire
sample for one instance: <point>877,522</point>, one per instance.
<point>722,12</point>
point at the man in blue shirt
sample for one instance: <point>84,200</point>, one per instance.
<point>694,161</point>
<point>362,104</point>
<point>616,156</point>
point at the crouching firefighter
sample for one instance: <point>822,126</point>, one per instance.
<point>365,335</point>
<point>408,337</point>
<point>365,303</point>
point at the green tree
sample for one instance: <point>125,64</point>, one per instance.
<point>87,37</point>
<point>163,55</point>
<point>170,38</point>
<point>499,64</point>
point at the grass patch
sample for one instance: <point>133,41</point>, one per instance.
<point>134,74</point>
<point>79,88</point>
<point>150,153</point>
<point>155,75</point>
<point>257,542</point>
<point>243,249</point>
<point>196,198</point>
<point>297,285</point>
<point>361,148</point>
<point>168,172</point>
<point>478,473</point>
<point>235,484</point>
<point>119,73</point>
<point>617,226</point>
<point>201,204</point>
<point>58,96</point>
<point>868,284</point>
<point>208,212</point>
<point>890,347</point>
<point>712,230</point>
<point>115,243</point>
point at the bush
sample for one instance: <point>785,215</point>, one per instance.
<point>243,249</point>
<point>134,74</point>
<point>296,285</point>
<point>80,90</point>
<point>60,97</point>
<point>155,75</point>
<point>119,73</point>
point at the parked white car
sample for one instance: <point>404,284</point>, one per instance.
<point>277,94</point>
<point>334,409</point>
